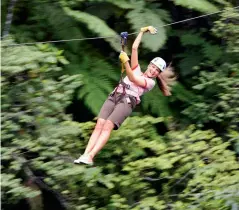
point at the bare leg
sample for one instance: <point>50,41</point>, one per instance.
<point>95,135</point>
<point>103,138</point>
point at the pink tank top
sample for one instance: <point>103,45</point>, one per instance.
<point>136,90</point>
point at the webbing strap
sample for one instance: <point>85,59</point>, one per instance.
<point>123,42</point>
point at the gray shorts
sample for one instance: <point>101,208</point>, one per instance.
<point>117,108</point>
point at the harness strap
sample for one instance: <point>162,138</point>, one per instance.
<point>123,42</point>
<point>125,86</point>
<point>132,99</point>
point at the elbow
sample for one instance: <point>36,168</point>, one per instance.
<point>131,78</point>
<point>134,47</point>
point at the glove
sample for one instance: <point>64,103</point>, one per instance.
<point>123,57</point>
<point>151,29</point>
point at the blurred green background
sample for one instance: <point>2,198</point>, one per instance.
<point>178,152</point>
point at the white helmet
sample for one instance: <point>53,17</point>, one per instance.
<point>159,62</point>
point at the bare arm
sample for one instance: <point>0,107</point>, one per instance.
<point>140,81</point>
<point>134,54</point>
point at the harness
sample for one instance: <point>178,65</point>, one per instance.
<point>131,92</point>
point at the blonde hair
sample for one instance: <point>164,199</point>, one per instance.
<point>166,79</point>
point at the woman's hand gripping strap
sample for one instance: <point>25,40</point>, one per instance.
<point>123,57</point>
<point>124,36</point>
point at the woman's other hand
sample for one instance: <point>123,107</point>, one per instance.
<point>149,29</point>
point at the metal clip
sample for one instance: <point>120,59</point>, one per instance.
<point>127,86</point>
<point>124,36</point>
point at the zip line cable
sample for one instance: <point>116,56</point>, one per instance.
<point>105,37</point>
<point>181,21</point>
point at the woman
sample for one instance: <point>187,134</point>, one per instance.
<point>126,95</point>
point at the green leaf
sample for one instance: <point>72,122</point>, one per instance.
<point>157,103</point>
<point>142,17</point>
<point>200,5</point>
<point>122,4</point>
<point>97,26</point>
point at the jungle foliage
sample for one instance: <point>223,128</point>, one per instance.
<point>178,152</point>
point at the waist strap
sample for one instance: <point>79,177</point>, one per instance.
<point>124,86</point>
<point>129,92</point>
<point>128,87</point>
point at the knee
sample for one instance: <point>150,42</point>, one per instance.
<point>108,126</point>
<point>100,123</point>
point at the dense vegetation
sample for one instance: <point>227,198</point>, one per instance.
<point>178,152</point>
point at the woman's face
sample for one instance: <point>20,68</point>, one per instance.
<point>152,71</point>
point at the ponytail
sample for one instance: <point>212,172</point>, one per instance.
<point>165,79</point>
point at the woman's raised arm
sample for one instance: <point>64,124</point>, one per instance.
<point>134,54</point>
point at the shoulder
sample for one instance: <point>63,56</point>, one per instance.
<point>149,83</point>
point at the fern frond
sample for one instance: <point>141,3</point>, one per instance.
<point>164,15</point>
<point>198,50</point>
<point>122,4</point>
<point>99,78</point>
<point>222,2</point>
<point>154,102</point>
<point>184,95</point>
<point>191,38</point>
<point>141,17</point>
<point>190,59</point>
<point>212,52</point>
<point>96,25</point>
<point>199,5</point>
